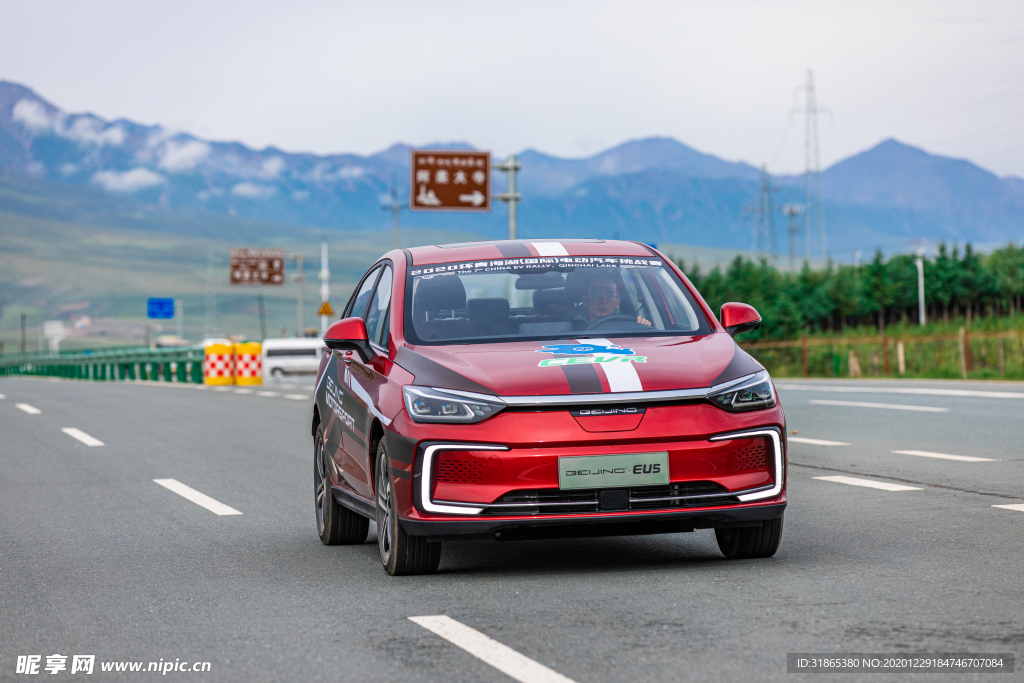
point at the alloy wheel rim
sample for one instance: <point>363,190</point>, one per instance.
<point>384,509</point>
<point>321,486</point>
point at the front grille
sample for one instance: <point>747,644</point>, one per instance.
<point>752,456</point>
<point>558,502</point>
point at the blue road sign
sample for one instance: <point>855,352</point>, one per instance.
<point>161,309</point>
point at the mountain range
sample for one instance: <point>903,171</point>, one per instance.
<point>654,189</point>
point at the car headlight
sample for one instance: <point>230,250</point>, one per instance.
<point>755,393</point>
<point>426,404</point>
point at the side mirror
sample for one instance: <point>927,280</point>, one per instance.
<point>349,334</point>
<point>739,318</point>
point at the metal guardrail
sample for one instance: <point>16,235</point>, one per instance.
<point>179,364</point>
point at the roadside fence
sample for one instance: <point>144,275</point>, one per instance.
<point>215,364</point>
<point>966,355</point>
<point>178,364</point>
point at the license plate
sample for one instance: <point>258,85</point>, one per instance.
<point>610,471</point>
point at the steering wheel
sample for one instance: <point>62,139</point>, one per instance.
<point>613,318</point>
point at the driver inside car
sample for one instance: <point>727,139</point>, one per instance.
<point>600,300</point>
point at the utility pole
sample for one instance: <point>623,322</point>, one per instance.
<point>179,313</point>
<point>919,261</point>
<point>511,167</point>
<point>210,324</point>
<point>792,211</point>
<point>24,336</point>
<point>325,283</point>
<point>263,317</point>
<point>299,279</point>
<point>394,207</point>
<point>814,208</point>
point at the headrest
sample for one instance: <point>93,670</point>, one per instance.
<point>487,308</point>
<point>549,280</point>
<point>444,293</point>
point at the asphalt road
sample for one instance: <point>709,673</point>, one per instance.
<point>96,558</point>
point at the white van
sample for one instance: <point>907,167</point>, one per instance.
<point>291,356</point>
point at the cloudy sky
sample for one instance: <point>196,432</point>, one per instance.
<point>566,77</point>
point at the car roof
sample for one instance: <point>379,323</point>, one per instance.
<point>496,249</point>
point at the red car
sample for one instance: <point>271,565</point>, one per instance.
<point>545,389</point>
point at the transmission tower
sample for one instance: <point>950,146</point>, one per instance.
<point>814,208</point>
<point>764,235</point>
<point>792,211</point>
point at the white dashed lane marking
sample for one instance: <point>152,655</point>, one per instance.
<point>868,483</point>
<point>196,497</point>
<point>31,410</point>
<point>82,436</point>
<point>817,442</point>
<point>501,657</point>
<point>903,390</point>
<point>2,397</point>
<point>297,397</point>
<point>1019,507</point>
<point>267,393</point>
<point>888,406</point>
<point>946,456</point>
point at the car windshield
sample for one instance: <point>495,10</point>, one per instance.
<point>548,298</point>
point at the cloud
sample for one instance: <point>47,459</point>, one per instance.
<point>252,191</point>
<point>32,115</point>
<point>129,181</point>
<point>90,130</point>
<point>183,156</point>
<point>82,129</point>
<point>271,167</point>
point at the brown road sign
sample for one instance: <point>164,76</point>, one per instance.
<point>450,181</point>
<point>325,309</point>
<point>257,266</point>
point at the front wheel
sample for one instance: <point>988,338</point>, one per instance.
<point>400,553</point>
<point>750,542</point>
<point>335,523</point>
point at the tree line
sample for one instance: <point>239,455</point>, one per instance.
<point>957,283</point>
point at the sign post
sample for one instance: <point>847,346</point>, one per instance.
<point>258,267</point>
<point>450,181</point>
<point>325,290</point>
<point>511,166</point>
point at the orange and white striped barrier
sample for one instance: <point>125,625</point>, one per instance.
<point>248,363</point>
<point>218,364</point>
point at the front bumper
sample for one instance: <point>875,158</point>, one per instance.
<point>510,484</point>
<point>603,524</point>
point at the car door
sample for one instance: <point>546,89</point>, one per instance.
<point>340,410</point>
<point>364,380</point>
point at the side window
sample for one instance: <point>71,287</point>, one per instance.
<point>358,307</point>
<point>377,314</point>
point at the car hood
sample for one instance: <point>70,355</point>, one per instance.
<point>583,366</point>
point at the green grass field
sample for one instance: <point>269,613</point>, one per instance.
<point>53,269</point>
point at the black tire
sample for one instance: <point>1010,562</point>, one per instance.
<point>335,523</point>
<point>400,553</point>
<point>277,373</point>
<point>750,542</point>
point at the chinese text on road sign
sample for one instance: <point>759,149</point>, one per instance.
<point>449,181</point>
<point>257,266</point>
